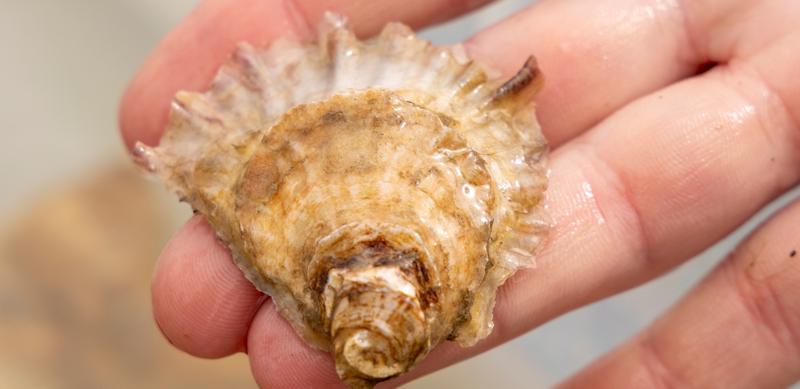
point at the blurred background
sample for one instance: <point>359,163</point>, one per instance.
<point>80,231</point>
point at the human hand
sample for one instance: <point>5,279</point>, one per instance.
<point>651,164</point>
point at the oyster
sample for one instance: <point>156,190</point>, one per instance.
<point>379,191</point>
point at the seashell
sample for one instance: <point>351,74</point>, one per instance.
<point>379,191</point>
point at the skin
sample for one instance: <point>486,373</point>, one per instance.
<point>651,164</point>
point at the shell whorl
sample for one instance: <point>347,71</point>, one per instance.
<point>377,300</point>
<point>379,191</point>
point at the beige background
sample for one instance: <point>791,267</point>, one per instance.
<point>81,232</point>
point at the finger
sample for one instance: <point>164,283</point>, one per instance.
<point>652,185</point>
<point>202,302</point>
<point>740,328</point>
<point>189,56</point>
<point>598,56</point>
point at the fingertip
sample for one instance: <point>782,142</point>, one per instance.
<point>142,112</point>
<point>202,302</point>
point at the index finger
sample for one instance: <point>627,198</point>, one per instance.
<point>190,55</point>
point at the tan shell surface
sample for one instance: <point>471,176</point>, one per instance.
<point>379,191</point>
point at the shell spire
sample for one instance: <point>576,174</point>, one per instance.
<point>379,191</point>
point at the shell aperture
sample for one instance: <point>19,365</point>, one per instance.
<point>379,191</point>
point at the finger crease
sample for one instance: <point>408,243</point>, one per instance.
<point>765,310</point>
<point>623,191</point>
<point>697,55</point>
<point>785,111</point>
<point>661,375</point>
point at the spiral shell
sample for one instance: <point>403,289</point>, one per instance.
<point>379,191</point>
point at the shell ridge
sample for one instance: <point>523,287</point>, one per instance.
<point>274,88</point>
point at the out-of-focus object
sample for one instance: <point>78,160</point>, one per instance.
<point>75,309</point>
<point>379,191</point>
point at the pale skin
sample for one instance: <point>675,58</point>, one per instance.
<point>651,163</point>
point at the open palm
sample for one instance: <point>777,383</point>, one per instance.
<point>671,123</point>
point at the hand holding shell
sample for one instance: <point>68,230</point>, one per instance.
<point>379,191</point>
